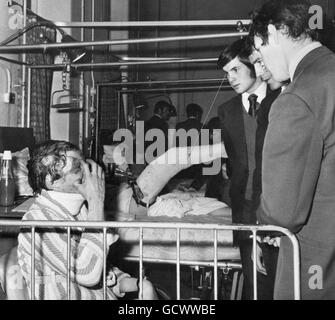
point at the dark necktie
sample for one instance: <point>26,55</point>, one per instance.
<point>254,105</point>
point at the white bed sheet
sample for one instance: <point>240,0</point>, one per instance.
<point>195,245</point>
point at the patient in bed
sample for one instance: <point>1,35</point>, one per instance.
<point>141,195</point>
<point>64,184</point>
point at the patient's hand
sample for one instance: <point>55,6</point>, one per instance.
<point>131,285</point>
<point>92,189</point>
<point>128,285</point>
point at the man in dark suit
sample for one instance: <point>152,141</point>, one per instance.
<point>298,171</point>
<point>159,121</point>
<point>192,127</point>
<point>238,119</point>
<point>194,115</point>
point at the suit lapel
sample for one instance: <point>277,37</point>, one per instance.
<point>236,122</point>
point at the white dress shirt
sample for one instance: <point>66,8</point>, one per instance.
<point>260,92</point>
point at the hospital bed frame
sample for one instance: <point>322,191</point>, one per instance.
<point>104,226</point>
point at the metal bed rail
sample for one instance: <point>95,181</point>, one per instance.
<point>104,226</point>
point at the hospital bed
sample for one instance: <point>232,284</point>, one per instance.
<point>12,273</point>
<point>196,249</point>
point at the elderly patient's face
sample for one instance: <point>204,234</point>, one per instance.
<point>72,173</point>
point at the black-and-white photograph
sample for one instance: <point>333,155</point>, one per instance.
<point>178,150</point>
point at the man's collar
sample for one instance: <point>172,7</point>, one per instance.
<point>302,53</point>
<point>260,92</point>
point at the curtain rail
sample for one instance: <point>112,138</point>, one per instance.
<point>132,24</point>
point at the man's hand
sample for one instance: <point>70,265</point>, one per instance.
<point>259,260</point>
<point>272,241</point>
<point>92,189</point>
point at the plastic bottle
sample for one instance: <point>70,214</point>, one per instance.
<point>7,183</point>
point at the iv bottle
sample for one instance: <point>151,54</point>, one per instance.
<point>7,183</point>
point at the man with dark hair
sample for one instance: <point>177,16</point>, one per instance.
<point>190,129</point>
<point>238,119</point>
<point>298,170</point>
<point>159,121</point>
<point>63,182</point>
<point>162,114</point>
<point>263,72</point>
<point>194,115</point>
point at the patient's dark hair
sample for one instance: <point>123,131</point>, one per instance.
<point>47,158</point>
<point>292,14</point>
<point>240,49</point>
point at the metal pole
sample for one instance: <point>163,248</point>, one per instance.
<point>133,224</point>
<point>93,93</point>
<point>82,86</point>
<point>176,89</point>
<point>45,46</point>
<point>140,296</point>
<point>14,61</point>
<point>161,82</point>
<point>68,282</point>
<point>125,63</point>
<point>296,265</point>
<point>178,263</point>
<point>215,264</point>
<point>119,108</point>
<point>87,97</point>
<point>32,275</point>
<point>97,123</point>
<point>254,247</point>
<point>139,24</point>
<point>24,68</point>
<point>104,263</point>
<point>81,114</point>
<point>29,96</point>
<point>221,264</point>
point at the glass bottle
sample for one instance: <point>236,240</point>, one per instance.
<point>7,183</point>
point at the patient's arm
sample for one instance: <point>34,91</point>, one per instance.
<point>158,173</point>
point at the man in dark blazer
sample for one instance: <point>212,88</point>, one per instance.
<point>159,121</point>
<point>194,115</point>
<point>193,122</point>
<point>298,173</point>
<point>243,143</point>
